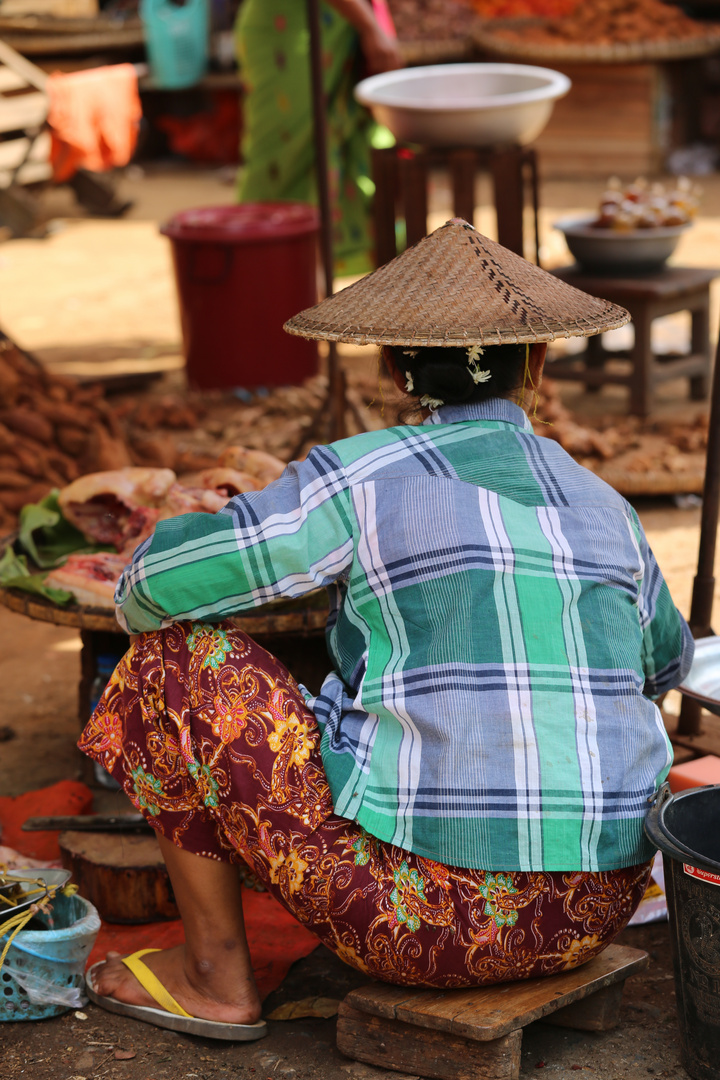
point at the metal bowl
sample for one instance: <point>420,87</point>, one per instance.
<point>464,104</point>
<point>11,879</point>
<point>702,682</point>
<point>637,250</point>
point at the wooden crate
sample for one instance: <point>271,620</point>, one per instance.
<point>615,119</point>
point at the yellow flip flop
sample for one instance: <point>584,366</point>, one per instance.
<point>171,1015</point>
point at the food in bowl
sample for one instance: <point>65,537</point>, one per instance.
<point>642,205</point>
<point>636,228</point>
<point>479,105</point>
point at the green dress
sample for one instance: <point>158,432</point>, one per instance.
<point>278,148</point>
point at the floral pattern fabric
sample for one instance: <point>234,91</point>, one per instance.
<point>212,740</point>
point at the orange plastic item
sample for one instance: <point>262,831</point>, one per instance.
<point>94,116</point>
<point>697,773</point>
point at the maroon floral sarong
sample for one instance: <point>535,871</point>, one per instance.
<point>212,740</point>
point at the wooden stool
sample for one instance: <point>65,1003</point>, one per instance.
<point>401,180</point>
<point>676,288</point>
<point>477,1034</point>
<point>122,874</point>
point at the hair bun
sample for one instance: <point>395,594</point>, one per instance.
<point>451,383</point>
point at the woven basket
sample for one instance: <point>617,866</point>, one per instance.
<point>305,617</point>
<point>490,39</point>
<point>43,972</point>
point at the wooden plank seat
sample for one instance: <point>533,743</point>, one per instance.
<point>476,1034</point>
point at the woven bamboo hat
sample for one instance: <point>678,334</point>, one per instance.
<point>456,287</point>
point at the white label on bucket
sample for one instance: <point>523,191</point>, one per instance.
<point>703,875</point>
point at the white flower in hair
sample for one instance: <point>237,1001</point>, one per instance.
<point>474,353</point>
<point>478,376</point>
<point>409,384</point>
<point>431,403</point>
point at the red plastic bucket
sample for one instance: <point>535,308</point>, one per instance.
<point>241,272</point>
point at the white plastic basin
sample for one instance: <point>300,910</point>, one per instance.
<point>464,104</point>
<point>635,251</point>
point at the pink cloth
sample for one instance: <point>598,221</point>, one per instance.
<point>384,18</point>
<point>94,118</point>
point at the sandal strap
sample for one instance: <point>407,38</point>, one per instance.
<point>150,982</point>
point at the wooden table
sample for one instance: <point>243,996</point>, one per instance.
<point>647,297</point>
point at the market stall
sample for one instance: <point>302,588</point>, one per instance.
<point>71,456</point>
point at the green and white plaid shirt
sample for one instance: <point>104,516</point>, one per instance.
<point>498,628</point>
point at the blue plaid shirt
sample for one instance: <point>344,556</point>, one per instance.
<point>498,628</point>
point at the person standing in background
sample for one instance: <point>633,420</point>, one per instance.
<point>277,148</point>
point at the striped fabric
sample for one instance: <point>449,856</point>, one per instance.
<point>498,628</point>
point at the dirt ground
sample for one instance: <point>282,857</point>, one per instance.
<point>104,289</point>
<point>646,1043</point>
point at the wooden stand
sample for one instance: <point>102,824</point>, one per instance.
<point>677,288</point>
<point>477,1034</point>
<point>401,179</point>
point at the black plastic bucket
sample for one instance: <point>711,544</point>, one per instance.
<point>686,828</point>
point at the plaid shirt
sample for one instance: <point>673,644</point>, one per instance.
<point>498,627</point>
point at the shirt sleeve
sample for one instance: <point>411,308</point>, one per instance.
<point>286,540</point>
<point>668,646</point>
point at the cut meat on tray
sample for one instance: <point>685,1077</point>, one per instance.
<point>90,578</point>
<point>117,507</point>
<point>121,508</point>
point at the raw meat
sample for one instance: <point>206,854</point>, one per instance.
<point>117,507</point>
<point>90,578</point>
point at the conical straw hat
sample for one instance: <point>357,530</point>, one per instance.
<point>456,287</point>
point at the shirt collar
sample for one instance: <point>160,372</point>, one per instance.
<point>494,409</point>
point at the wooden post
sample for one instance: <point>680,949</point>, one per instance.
<point>507,173</point>
<point>531,161</point>
<point>704,583</point>
<point>336,392</point>
<point>413,180</point>
<point>463,166</point>
<point>385,177</point>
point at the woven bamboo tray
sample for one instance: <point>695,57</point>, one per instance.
<point>489,38</point>
<point>35,35</point>
<point>46,24</point>
<point>417,53</point>
<point>303,617</point>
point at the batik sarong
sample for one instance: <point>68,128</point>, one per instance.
<point>211,738</point>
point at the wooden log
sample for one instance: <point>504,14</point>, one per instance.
<point>392,1044</point>
<point>123,875</point>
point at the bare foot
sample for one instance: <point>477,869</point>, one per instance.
<point>222,992</point>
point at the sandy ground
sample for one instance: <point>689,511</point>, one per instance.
<point>96,287</point>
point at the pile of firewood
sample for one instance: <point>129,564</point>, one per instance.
<point>612,22</point>
<point>51,431</point>
<point>625,447</point>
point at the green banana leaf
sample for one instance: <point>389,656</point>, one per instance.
<point>47,537</point>
<point>15,574</point>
